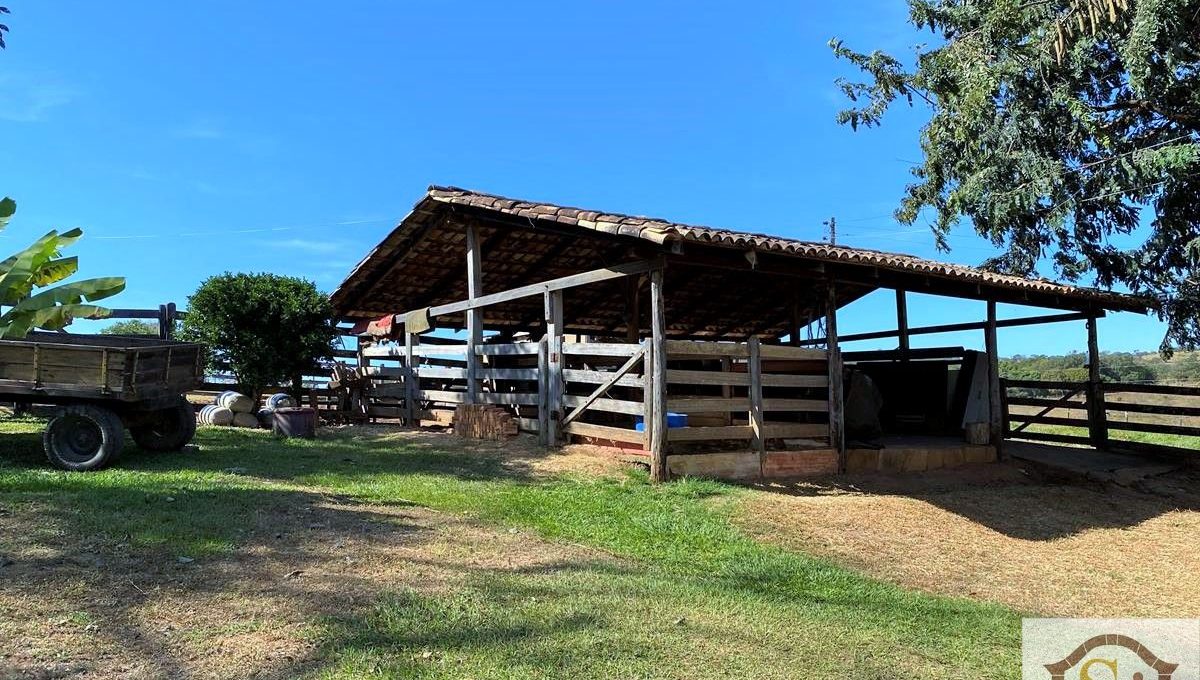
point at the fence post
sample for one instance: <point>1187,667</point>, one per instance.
<point>754,368</point>
<point>412,416</point>
<point>554,377</point>
<point>991,345</point>
<point>474,315</point>
<point>1096,410</point>
<point>656,378</point>
<point>833,352</point>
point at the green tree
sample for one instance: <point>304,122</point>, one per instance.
<point>265,329</point>
<point>130,327</point>
<point>1056,128</point>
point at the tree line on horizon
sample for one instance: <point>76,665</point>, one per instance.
<point>1127,367</point>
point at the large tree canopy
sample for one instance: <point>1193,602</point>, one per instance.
<point>1057,128</point>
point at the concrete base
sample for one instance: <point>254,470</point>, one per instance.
<point>917,455</point>
<point>744,465</point>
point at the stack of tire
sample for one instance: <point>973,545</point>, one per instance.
<point>230,409</point>
<point>266,415</point>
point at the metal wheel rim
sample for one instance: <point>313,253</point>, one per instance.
<point>77,439</point>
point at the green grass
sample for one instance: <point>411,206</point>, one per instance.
<point>1117,435</point>
<point>688,597</point>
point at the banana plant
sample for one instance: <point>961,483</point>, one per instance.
<point>41,266</point>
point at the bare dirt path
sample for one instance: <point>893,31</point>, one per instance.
<point>995,534</point>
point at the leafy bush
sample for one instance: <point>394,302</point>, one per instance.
<point>130,327</point>
<point>265,329</point>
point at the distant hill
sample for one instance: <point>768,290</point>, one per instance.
<point>1139,367</point>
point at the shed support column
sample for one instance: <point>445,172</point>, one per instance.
<point>543,375</point>
<point>902,321</point>
<point>837,423</point>
<point>754,368</point>
<point>656,380</point>
<point>554,365</point>
<point>1097,413</point>
<point>411,414</point>
<point>474,316</point>
<point>995,405</point>
<point>633,310</point>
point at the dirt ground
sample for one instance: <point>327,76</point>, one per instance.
<point>90,611</point>
<point>994,533</point>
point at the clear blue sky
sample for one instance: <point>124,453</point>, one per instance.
<point>191,138</point>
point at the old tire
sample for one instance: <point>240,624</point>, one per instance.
<point>167,430</point>
<point>83,437</point>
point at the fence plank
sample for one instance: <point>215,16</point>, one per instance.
<point>599,377</point>
<point>633,408</point>
<point>619,434</point>
<point>604,349</point>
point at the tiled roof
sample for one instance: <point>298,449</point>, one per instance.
<point>662,232</point>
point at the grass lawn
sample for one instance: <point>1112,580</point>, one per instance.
<point>483,567</point>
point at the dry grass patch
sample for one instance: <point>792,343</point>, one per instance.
<point>992,533</point>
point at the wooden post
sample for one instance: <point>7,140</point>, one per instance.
<point>474,315</point>
<point>995,414</point>
<point>543,392</point>
<point>837,421</point>
<point>754,368</point>
<point>360,403</point>
<point>412,415</point>
<point>656,380</point>
<point>902,322</point>
<point>794,327</point>
<point>633,311</point>
<point>1097,412</point>
<point>554,364</point>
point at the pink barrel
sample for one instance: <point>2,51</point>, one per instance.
<point>295,422</point>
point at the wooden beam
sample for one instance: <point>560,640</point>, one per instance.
<point>561,283</point>
<point>754,368</point>
<point>544,392</point>
<point>1097,414</point>
<point>902,320</point>
<point>995,407</point>
<point>604,387</point>
<point>633,310</point>
<point>553,302</point>
<point>656,380</point>
<point>837,424</point>
<point>474,314</point>
<point>968,326</point>
<point>411,381</point>
<point>452,274</point>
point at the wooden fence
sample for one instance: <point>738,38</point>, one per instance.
<point>1102,415</point>
<point>734,394</point>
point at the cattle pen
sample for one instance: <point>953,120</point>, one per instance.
<point>699,350</point>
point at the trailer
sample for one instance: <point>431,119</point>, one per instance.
<point>100,386</point>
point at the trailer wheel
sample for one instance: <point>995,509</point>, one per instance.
<point>167,430</point>
<point>83,437</point>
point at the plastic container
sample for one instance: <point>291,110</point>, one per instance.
<point>673,420</point>
<point>295,422</point>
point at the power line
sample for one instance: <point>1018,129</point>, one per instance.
<point>256,230</point>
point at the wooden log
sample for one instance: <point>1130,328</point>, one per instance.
<point>657,380</point>
<point>617,434</point>
<point>598,377</point>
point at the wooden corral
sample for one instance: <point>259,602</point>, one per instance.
<point>686,345</point>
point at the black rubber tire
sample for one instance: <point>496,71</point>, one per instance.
<point>167,430</point>
<point>83,437</point>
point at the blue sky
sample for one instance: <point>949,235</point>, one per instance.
<point>189,139</point>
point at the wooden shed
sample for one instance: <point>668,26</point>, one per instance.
<point>705,351</point>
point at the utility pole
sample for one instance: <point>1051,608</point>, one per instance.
<point>831,230</point>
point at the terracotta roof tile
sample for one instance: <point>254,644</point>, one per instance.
<point>663,231</point>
